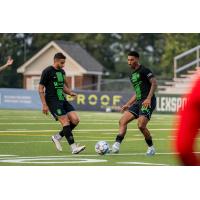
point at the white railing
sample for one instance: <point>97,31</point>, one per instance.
<point>188,65</point>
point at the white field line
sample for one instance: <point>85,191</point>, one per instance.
<point>85,130</point>
<point>18,129</point>
<point>104,122</point>
<point>141,163</point>
<point>88,140</point>
<point>83,120</point>
<point>118,154</point>
<point>74,159</point>
<point>96,155</point>
<point>107,116</point>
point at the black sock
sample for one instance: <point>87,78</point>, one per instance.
<point>119,138</point>
<point>72,126</point>
<point>61,133</point>
<point>149,142</point>
<point>68,134</point>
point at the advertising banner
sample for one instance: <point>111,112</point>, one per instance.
<point>19,99</point>
<point>86,100</point>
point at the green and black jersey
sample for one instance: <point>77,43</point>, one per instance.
<point>140,81</point>
<point>53,80</point>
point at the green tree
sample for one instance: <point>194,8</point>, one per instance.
<point>176,43</point>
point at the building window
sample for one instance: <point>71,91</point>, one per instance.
<point>35,83</point>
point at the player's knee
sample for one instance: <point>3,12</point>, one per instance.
<point>141,127</point>
<point>75,121</point>
<point>64,120</point>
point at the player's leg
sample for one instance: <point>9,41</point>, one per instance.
<point>74,119</point>
<point>56,110</point>
<point>144,118</point>
<point>65,122</point>
<point>72,115</point>
<point>142,125</point>
<point>124,120</point>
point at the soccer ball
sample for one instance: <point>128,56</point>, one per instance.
<point>102,147</point>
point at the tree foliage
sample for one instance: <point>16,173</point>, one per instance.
<point>157,50</point>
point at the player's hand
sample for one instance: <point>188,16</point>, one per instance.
<point>73,94</point>
<point>9,61</point>
<point>146,103</point>
<point>124,107</point>
<point>45,109</point>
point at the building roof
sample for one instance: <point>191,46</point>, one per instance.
<point>75,51</point>
<point>80,55</point>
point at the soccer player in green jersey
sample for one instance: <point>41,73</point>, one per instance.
<point>52,86</point>
<point>141,105</point>
<point>8,63</point>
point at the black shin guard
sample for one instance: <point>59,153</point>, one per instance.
<point>149,142</point>
<point>68,134</point>
<point>119,138</point>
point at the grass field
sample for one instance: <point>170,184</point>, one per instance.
<point>25,140</point>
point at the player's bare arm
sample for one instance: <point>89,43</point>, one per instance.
<point>8,63</point>
<point>147,101</point>
<point>129,103</point>
<point>45,108</point>
<point>67,90</point>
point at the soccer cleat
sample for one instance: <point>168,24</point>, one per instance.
<point>115,147</point>
<point>78,149</point>
<point>150,151</point>
<point>57,143</point>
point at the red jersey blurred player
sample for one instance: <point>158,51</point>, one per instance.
<point>188,127</point>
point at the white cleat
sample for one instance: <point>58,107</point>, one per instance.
<point>150,151</point>
<point>78,149</point>
<point>57,143</point>
<point>115,147</point>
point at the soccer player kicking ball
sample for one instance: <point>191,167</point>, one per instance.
<point>52,86</point>
<point>141,105</point>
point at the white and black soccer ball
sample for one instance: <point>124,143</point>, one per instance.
<point>102,147</point>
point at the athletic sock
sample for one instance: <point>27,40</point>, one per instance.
<point>58,136</point>
<point>149,142</point>
<point>73,146</point>
<point>119,139</point>
<point>72,126</point>
<point>61,133</point>
<point>68,134</point>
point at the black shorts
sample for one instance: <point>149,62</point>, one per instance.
<point>137,109</point>
<point>59,108</point>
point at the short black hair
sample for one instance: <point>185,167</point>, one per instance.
<point>59,56</point>
<point>134,53</point>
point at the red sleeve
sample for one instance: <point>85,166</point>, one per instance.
<point>188,126</point>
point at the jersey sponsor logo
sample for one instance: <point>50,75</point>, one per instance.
<point>60,77</point>
<point>58,84</point>
<point>136,81</point>
<point>135,77</point>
